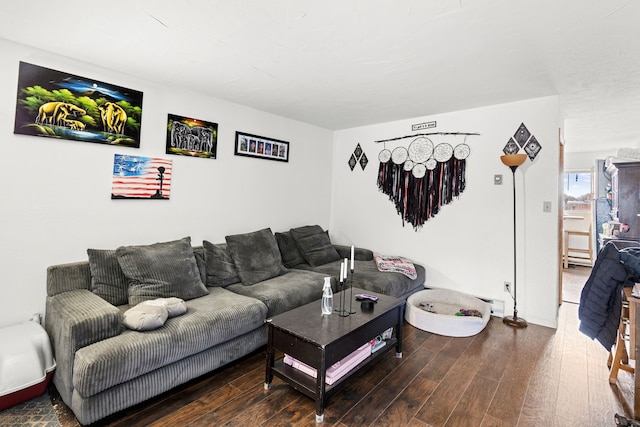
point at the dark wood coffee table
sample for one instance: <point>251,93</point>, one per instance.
<point>320,341</point>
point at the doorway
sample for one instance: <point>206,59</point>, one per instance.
<point>573,280</point>
<point>578,226</point>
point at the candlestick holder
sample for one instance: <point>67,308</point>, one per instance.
<point>342,312</point>
<point>351,295</point>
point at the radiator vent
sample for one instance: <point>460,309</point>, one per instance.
<point>497,306</point>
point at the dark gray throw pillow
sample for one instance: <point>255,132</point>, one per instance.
<point>107,279</point>
<point>291,255</point>
<point>314,245</point>
<point>256,256</point>
<point>200,262</point>
<point>221,270</point>
<point>161,270</point>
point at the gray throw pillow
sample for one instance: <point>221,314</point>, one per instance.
<point>107,279</point>
<point>221,270</point>
<point>202,266</point>
<point>161,270</point>
<point>256,256</point>
<point>314,245</point>
<point>291,255</point>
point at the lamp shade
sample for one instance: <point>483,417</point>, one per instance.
<point>513,160</point>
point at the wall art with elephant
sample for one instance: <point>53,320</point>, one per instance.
<point>60,105</point>
<point>191,137</point>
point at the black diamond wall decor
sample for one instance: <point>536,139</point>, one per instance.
<point>532,148</point>
<point>358,156</point>
<point>352,162</point>
<point>363,161</point>
<point>358,151</point>
<point>525,140</point>
<point>511,147</point>
<point>522,135</point>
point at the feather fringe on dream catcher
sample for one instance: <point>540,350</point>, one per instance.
<point>422,178</point>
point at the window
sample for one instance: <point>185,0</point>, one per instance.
<point>578,191</point>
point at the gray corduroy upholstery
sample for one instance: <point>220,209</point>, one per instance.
<point>314,245</point>
<point>212,319</point>
<point>107,279</point>
<point>160,270</point>
<point>219,266</point>
<point>68,277</point>
<point>146,386</point>
<point>282,293</point>
<point>367,276</point>
<point>74,320</point>
<point>103,368</point>
<point>255,255</point>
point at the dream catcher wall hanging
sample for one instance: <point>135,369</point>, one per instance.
<point>422,177</point>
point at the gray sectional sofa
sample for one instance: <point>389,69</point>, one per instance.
<point>105,364</point>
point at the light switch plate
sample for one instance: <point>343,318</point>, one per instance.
<point>546,206</point>
<point>497,179</point>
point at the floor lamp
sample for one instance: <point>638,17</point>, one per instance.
<point>513,161</point>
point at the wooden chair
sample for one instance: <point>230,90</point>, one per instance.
<point>567,248</point>
<point>619,357</point>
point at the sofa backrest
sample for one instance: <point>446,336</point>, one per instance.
<point>77,275</point>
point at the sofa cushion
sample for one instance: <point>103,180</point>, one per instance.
<point>107,279</point>
<point>366,276</point>
<point>221,270</point>
<point>291,255</point>
<point>314,245</point>
<point>211,320</point>
<point>256,256</point>
<point>161,270</point>
<point>285,292</point>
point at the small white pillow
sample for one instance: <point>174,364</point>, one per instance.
<point>175,306</point>
<point>145,317</point>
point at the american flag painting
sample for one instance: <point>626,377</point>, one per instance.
<point>136,177</point>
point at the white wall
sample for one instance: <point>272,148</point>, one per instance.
<point>57,202</point>
<point>586,160</point>
<point>56,193</point>
<point>468,246</point>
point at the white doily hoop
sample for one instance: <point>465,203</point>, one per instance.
<point>399,155</point>
<point>442,152</point>
<point>420,149</point>
<point>419,170</point>
<point>384,156</point>
<point>461,151</point>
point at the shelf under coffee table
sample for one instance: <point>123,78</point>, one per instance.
<point>322,340</point>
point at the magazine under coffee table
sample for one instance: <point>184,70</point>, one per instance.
<point>320,341</point>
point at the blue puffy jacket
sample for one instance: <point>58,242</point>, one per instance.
<point>601,298</point>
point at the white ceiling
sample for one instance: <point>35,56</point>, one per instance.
<point>344,63</point>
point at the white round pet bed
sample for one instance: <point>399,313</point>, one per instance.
<point>434,310</point>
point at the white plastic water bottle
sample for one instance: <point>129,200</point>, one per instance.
<point>327,297</point>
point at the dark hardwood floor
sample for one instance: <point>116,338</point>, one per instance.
<point>501,377</point>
